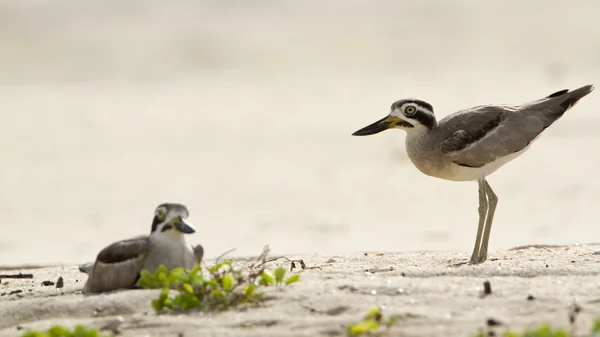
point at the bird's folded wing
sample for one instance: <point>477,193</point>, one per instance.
<point>484,134</point>
<point>117,266</point>
<point>124,250</point>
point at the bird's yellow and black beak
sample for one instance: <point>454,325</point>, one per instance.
<point>381,125</point>
<point>183,225</point>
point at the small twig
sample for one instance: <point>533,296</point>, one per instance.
<point>16,275</point>
<point>262,257</point>
<point>292,263</point>
<point>227,252</point>
<point>272,259</point>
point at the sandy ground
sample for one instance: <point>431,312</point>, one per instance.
<point>431,296</point>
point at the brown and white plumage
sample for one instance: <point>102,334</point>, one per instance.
<point>473,143</point>
<point>118,265</point>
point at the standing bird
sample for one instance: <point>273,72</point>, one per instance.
<point>118,265</point>
<point>473,143</point>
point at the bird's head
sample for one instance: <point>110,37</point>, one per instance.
<point>407,114</point>
<point>170,219</point>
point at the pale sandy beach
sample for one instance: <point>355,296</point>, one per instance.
<point>244,111</point>
<point>430,296</point>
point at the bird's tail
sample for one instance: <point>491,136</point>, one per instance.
<point>567,99</point>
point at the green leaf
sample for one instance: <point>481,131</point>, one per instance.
<point>390,321</point>
<point>560,333</point>
<point>79,331</point>
<point>596,325</point>
<point>215,268</point>
<point>162,269</point>
<point>265,279</point>
<point>194,271</point>
<point>197,280</point>
<point>168,303</point>
<point>164,293</point>
<point>188,288</point>
<point>373,313</point>
<point>163,279</point>
<point>178,275</point>
<point>59,331</point>
<point>146,275</point>
<point>226,282</point>
<point>279,274</point>
<point>217,294</point>
<point>157,305</point>
<point>187,301</point>
<point>362,327</point>
<point>147,280</point>
<point>292,279</point>
<point>249,290</point>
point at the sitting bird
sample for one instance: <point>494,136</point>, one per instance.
<point>118,265</point>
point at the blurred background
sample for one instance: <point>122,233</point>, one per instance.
<point>243,111</point>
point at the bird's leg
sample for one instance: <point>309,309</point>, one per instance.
<point>493,200</point>
<point>483,209</point>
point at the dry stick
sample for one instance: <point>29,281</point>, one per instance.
<point>262,257</point>
<point>254,275</point>
<point>16,276</point>
<point>293,262</point>
<point>227,252</point>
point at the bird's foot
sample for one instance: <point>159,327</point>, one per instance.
<point>477,259</point>
<point>458,264</point>
<point>473,261</point>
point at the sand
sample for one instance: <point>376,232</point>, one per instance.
<point>430,295</point>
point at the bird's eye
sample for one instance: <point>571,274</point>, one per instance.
<point>160,214</point>
<point>410,110</point>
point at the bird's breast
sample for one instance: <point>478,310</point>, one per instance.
<point>171,253</point>
<point>426,156</point>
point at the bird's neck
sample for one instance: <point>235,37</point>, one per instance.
<point>417,139</point>
<point>419,131</point>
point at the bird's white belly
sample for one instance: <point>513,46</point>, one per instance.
<point>444,168</point>
<point>457,172</point>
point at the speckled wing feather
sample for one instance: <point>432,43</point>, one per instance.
<point>481,135</point>
<point>117,266</point>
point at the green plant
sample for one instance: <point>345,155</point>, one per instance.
<point>596,326</point>
<point>59,331</point>
<point>373,322</point>
<point>544,330</point>
<point>222,287</point>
